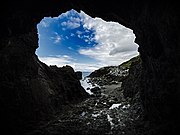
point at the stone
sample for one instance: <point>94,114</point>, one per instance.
<point>96,91</point>
<point>79,75</point>
<point>29,87</point>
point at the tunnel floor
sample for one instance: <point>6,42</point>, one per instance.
<point>108,114</point>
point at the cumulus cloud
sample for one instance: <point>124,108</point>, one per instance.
<point>115,42</point>
<point>60,61</point>
<point>70,24</point>
<point>86,67</point>
<point>72,20</point>
<point>45,22</point>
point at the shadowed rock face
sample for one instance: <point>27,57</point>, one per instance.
<point>79,75</point>
<point>29,89</point>
<point>22,75</point>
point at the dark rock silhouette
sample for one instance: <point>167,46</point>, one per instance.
<point>96,91</point>
<point>30,90</point>
<point>79,75</point>
<point>131,84</point>
<point>113,74</point>
<point>26,83</point>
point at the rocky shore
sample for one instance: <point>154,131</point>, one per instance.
<point>26,84</point>
<point>105,113</point>
<point>95,116</point>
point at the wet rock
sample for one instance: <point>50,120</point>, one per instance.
<point>156,26</point>
<point>109,75</point>
<point>114,82</point>
<point>96,91</point>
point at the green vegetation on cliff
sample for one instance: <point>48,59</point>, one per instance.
<point>127,64</point>
<point>113,74</point>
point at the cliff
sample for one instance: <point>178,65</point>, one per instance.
<point>29,89</point>
<point>113,74</point>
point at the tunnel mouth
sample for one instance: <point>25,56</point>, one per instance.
<point>101,53</point>
<point>85,43</point>
<point>155,26</point>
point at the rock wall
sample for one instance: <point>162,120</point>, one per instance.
<point>30,90</point>
<point>131,84</point>
<point>155,24</point>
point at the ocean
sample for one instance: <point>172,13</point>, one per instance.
<point>85,74</point>
<point>85,82</point>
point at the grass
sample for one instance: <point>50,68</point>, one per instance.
<point>127,64</point>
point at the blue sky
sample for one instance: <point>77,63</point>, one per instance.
<point>83,42</point>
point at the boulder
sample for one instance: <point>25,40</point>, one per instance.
<point>96,91</point>
<point>79,75</point>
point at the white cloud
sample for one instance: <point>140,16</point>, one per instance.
<point>66,37</point>
<point>56,38</point>
<point>70,48</point>
<point>45,22</point>
<point>70,24</point>
<point>72,20</point>
<point>72,35</point>
<point>60,61</point>
<point>115,42</point>
<point>86,67</point>
<point>79,32</point>
<point>86,40</point>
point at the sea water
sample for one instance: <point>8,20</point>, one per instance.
<point>85,82</point>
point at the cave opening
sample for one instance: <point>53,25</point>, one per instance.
<point>88,45</point>
<point>85,43</point>
<point>103,51</point>
<point>31,89</point>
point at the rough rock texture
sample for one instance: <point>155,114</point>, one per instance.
<point>108,114</point>
<point>155,24</point>
<point>108,75</point>
<point>131,84</point>
<point>79,75</point>
<point>114,74</point>
<point>29,89</point>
